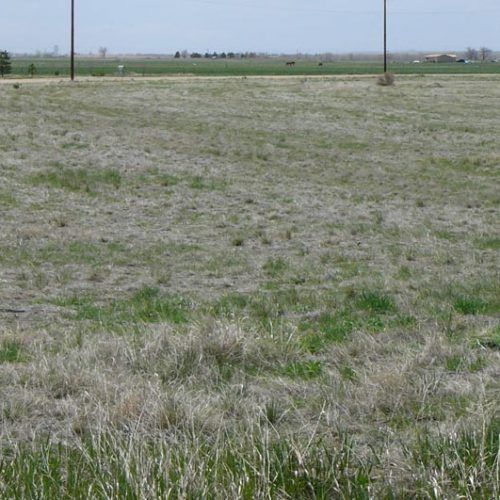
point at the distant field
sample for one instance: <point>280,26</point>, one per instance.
<point>250,288</point>
<point>106,67</point>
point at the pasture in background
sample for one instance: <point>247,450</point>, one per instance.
<point>240,67</point>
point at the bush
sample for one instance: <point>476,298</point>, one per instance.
<point>386,79</point>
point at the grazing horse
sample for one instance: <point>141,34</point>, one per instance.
<point>290,63</point>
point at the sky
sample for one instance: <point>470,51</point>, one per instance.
<point>275,26</point>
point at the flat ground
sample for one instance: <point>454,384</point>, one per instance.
<point>86,66</point>
<point>250,288</point>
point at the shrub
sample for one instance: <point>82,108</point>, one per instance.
<point>386,79</point>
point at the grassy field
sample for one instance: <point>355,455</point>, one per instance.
<point>246,67</point>
<point>250,288</point>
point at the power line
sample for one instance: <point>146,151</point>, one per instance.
<point>254,6</point>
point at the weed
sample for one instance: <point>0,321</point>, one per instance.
<point>272,412</point>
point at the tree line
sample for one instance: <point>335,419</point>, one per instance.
<point>482,54</point>
<point>184,54</point>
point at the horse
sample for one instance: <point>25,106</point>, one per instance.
<point>290,63</point>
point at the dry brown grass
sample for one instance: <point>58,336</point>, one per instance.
<point>309,259</point>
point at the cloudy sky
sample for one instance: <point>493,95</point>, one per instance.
<point>164,26</point>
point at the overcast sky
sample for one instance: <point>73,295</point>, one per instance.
<point>164,26</point>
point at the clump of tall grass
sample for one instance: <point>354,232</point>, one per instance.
<point>386,80</point>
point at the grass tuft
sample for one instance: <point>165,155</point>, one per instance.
<point>468,305</point>
<point>11,351</point>
<point>376,302</point>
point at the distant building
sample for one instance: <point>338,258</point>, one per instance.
<point>441,58</point>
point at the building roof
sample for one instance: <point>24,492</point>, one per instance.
<point>441,55</point>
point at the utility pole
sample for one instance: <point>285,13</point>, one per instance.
<point>385,36</point>
<point>72,56</point>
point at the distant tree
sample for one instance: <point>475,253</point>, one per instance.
<point>207,55</point>
<point>177,55</point>
<point>471,54</point>
<point>32,70</point>
<point>102,52</point>
<point>184,54</point>
<point>196,55</point>
<point>5,64</point>
<point>231,55</point>
<point>223,55</point>
<point>485,53</point>
<point>215,55</point>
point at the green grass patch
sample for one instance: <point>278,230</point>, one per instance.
<point>146,305</point>
<point>303,369</point>
<point>275,267</point>
<point>327,329</point>
<point>455,363</point>
<point>468,165</point>
<point>8,200</point>
<point>209,184</point>
<point>488,243</point>
<point>136,66</point>
<point>469,305</point>
<point>111,466</point>
<point>94,253</point>
<point>230,305</point>
<point>348,373</point>
<point>11,351</point>
<point>85,180</point>
<point>466,463</point>
<point>167,180</point>
<point>375,302</point>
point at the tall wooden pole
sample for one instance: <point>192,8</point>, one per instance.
<point>385,36</point>
<point>72,57</point>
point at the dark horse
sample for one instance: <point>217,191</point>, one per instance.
<point>290,63</point>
